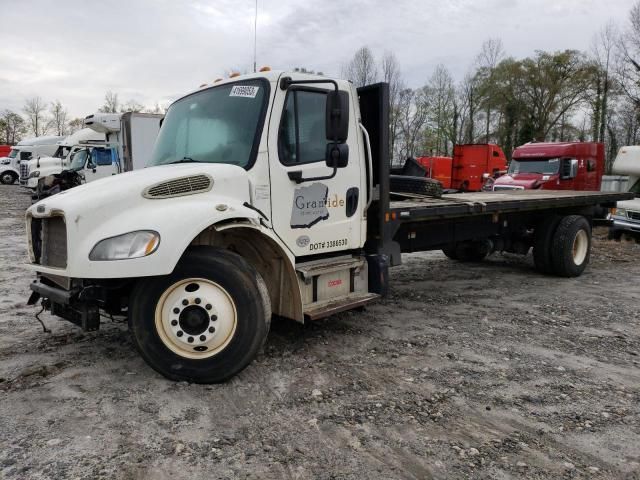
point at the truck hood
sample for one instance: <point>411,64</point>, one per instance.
<point>630,204</point>
<point>166,199</point>
<point>528,181</point>
<point>126,189</point>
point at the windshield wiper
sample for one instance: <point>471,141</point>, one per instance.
<point>184,160</point>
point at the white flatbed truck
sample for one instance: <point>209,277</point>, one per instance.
<point>269,194</point>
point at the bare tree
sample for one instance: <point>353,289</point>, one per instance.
<point>75,125</point>
<point>491,53</point>
<point>361,70</point>
<point>391,75</point>
<point>443,113</point>
<point>111,103</point>
<point>35,109</point>
<point>629,68</point>
<point>132,106</point>
<point>12,127</point>
<point>59,118</point>
<point>603,49</point>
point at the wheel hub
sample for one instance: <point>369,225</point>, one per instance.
<point>195,318</point>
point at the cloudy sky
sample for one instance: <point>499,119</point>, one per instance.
<point>155,50</point>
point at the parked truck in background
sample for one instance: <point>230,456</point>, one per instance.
<point>37,168</point>
<point>554,166</point>
<point>125,143</point>
<point>469,168</point>
<point>268,194</point>
<point>626,216</point>
<point>23,151</point>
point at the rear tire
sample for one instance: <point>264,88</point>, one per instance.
<point>471,251</point>
<point>417,185</point>
<point>8,178</point>
<point>571,246</point>
<point>542,244</point>
<point>204,322</point>
<point>450,251</point>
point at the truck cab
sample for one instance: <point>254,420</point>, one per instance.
<point>554,166</point>
<point>41,167</point>
<point>626,216</point>
<point>12,165</point>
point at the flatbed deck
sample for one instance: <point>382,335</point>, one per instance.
<point>416,207</point>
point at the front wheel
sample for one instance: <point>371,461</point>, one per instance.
<point>8,178</point>
<point>206,321</point>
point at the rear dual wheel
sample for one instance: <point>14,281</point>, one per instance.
<point>467,251</point>
<point>562,245</point>
<point>206,321</point>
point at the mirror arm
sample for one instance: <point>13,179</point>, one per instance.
<point>296,176</point>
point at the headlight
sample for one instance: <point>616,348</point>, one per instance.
<point>129,245</point>
<point>620,212</point>
<point>34,174</point>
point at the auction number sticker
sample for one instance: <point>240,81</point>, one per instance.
<point>247,91</point>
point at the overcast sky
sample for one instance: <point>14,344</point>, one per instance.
<point>156,50</point>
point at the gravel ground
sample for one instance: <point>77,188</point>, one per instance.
<point>466,371</point>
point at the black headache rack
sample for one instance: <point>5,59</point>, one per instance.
<point>418,223</point>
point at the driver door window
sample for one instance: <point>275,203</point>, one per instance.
<point>302,135</point>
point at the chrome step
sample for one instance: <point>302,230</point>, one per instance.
<point>318,310</point>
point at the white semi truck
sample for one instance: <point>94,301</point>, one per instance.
<point>270,194</point>
<point>37,168</point>
<point>23,152</point>
<point>626,216</point>
<point>112,143</point>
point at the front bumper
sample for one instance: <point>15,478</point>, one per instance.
<point>66,303</point>
<point>625,225</point>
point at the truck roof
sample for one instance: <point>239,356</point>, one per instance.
<point>82,136</point>
<point>555,149</point>
<point>271,76</point>
<point>627,161</point>
<point>48,140</point>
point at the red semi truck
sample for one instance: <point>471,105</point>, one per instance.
<point>4,150</point>
<point>468,169</point>
<point>554,166</point>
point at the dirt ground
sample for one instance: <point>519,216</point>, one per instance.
<point>483,370</point>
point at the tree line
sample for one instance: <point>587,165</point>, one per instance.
<point>550,96</point>
<point>39,118</point>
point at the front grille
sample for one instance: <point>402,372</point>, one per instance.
<point>24,171</point>
<point>49,241</point>
<point>633,215</point>
<point>180,186</point>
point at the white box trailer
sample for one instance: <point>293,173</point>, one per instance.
<point>134,133</point>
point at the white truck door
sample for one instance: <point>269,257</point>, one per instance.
<point>313,216</point>
<point>102,163</point>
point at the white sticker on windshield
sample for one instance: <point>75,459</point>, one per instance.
<point>244,91</point>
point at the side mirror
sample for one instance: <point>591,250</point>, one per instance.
<point>91,166</point>
<point>569,168</point>
<point>337,155</point>
<point>337,116</point>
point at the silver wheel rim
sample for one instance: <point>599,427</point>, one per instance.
<point>196,318</point>
<point>580,247</point>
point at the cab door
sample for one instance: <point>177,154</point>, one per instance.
<point>320,212</point>
<point>102,163</point>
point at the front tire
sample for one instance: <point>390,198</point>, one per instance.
<point>203,323</point>
<point>8,178</point>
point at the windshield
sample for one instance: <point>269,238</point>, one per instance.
<point>13,153</point>
<point>62,152</point>
<point>217,125</point>
<point>544,166</point>
<point>78,160</point>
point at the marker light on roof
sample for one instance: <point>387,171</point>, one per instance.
<point>234,75</point>
<point>203,85</point>
<point>265,69</point>
<point>217,80</point>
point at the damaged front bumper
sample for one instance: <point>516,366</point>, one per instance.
<point>73,304</point>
